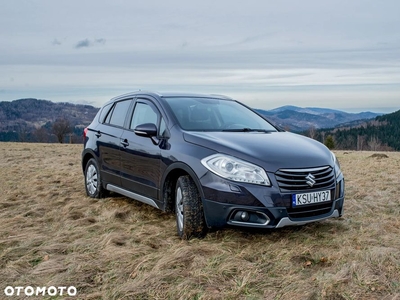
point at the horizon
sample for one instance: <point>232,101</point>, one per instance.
<point>351,111</point>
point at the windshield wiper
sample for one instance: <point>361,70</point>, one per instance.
<point>248,130</point>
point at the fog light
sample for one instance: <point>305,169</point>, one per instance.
<point>244,216</point>
<point>248,218</point>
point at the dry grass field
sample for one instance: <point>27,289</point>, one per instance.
<point>51,234</point>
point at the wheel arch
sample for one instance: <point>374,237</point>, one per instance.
<point>170,177</point>
<point>86,156</point>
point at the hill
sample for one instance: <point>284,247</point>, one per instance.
<point>33,119</point>
<point>299,119</point>
<point>381,133</point>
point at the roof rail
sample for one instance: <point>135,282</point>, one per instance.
<point>221,96</point>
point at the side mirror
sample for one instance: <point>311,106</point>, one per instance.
<point>146,130</point>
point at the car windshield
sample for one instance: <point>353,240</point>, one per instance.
<point>209,114</point>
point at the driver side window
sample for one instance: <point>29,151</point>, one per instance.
<point>143,113</point>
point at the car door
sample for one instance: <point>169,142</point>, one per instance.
<point>141,156</point>
<point>108,136</point>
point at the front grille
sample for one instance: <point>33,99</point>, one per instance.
<point>294,180</point>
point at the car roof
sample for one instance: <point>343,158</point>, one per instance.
<point>167,94</point>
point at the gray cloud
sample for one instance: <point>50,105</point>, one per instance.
<point>184,44</point>
<point>56,42</point>
<point>100,41</point>
<point>88,43</point>
<point>83,44</point>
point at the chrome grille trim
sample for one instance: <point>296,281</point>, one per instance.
<point>294,180</point>
<point>308,170</point>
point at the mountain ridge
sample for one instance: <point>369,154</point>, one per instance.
<point>24,119</point>
<point>298,119</point>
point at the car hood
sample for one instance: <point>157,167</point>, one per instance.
<point>272,151</point>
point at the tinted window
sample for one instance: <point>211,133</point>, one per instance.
<point>104,113</point>
<point>143,113</point>
<point>119,113</point>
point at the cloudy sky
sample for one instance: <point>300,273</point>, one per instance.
<point>342,54</point>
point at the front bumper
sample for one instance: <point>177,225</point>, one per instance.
<point>222,214</point>
<point>247,205</point>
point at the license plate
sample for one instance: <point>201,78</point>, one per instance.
<point>310,198</point>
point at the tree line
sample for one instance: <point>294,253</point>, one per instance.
<point>380,134</point>
<point>59,131</point>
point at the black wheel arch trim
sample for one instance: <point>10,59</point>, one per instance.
<point>87,154</point>
<point>188,170</point>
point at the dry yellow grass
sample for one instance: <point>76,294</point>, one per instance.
<point>51,234</point>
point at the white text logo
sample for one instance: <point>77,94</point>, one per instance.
<point>40,291</point>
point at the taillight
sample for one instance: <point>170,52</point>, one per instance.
<point>85,133</point>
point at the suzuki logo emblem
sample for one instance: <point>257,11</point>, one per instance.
<point>310,180</point>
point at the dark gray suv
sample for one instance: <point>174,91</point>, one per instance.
<point>211,160</point>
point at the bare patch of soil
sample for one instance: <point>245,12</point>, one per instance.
<point>379,155</point>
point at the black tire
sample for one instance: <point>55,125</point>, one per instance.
<point>189,209</point>
<point>93,183</point>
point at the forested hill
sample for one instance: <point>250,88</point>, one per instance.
<point>391,132</point>
<point>382,133</point>
<point>34,110</point>
<point>33,120</point>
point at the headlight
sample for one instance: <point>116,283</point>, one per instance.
<point>235,169</point>
<point>337,165</point>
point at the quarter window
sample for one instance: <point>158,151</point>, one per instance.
<point>105,112</point>
<point>163,128</point>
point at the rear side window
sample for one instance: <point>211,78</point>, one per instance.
<point>117,116</point>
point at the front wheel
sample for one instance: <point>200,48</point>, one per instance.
<point>188,209</point>
<point>93,184</point>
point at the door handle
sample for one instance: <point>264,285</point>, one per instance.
<point>125,143</point>
<point>98,134</point>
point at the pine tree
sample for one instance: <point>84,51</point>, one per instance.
<point>329,142</point>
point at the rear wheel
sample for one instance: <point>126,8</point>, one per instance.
<point>188,209</point>
<point>93,184</point>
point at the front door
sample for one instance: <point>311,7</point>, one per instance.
<point>140,156</point>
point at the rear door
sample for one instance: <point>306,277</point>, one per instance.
<point>141,156</point>
<point>109,140</point>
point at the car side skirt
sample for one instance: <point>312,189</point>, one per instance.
<point>132,195</point>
